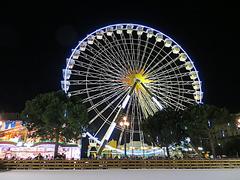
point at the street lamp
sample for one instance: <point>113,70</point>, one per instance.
<point>124,124</point>
<point>238,123</point>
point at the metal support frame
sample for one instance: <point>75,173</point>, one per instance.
<point>114,122</point>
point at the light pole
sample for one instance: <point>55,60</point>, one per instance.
<point>238,123</point>
<point>124,124</point>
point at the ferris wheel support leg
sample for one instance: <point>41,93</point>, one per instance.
<point>108,133</point>
<point>114,123</point>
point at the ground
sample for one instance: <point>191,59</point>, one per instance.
<point>120,174</point>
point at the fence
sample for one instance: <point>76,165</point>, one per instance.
<point>120,164</point>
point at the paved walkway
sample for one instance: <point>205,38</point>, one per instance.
<point>120,174</point>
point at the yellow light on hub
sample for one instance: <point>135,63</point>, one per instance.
<point>131,77</point>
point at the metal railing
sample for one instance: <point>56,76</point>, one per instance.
<point>120,164</point>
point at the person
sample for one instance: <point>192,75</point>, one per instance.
<point>5,157</point>
<point>29,158</point>
<point>63,156</point>
<point>13,158</point>
<point>39,157</point>
<point>57,157</point>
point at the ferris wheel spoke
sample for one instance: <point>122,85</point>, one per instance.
<point>129,48</point>
<point>154,58</point>
<point>84,91</point>
<point>174,95</point>
<point>174,89</point>
<point>107,49</point>
<point>110,95</point>
<point>177,96</point>
<point>123,51</point>
<point>103,101</point>
<point>168,71</point>
<point>101,94</point>
<point>89,90</point>
<point>98,60</point>
<point>105,61</point>
<point>174,77</point>
<point>143,55</point>
<point>160,70</point>
<point>117,59</point>
<point>169,100</point>
<point>96,66</point>
<point>152,49</point>
<point>177,102</point>
<point>116,43</point>
<point>107,107</point>
<point>112,48</point>
<point>107,119</point>
<point>102,87</point>
<point>94,53</point>
<point>166,65</point>
<point>157,63</point>
<point>93,82</point>
<point>166,100</point>
<point>176,82</point>
<point>115,47</point>
<point>124,39</point>
<point>158,77</point>
<point>132,51</point>
<point>138,51</point>
<point>161,92</point>
<point>93,74</point>
<point>125,48</point>
<point>81,73</point>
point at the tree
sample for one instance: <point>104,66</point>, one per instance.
<point>164,128</point>
<point>200,121</point>
<point>231,147</point>
<point>53,116</point>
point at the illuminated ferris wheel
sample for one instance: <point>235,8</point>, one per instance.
<point>132,71</point>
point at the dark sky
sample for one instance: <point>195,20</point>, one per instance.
<point>35,40</point>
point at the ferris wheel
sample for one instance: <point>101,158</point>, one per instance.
<point>130,71</point>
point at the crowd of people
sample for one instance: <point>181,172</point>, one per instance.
<point>62,156</point>
<point>39,156</point>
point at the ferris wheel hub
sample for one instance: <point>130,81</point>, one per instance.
<point>136,76</point>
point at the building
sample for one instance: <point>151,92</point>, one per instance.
<point>15,141</point>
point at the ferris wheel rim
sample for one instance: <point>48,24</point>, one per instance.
<point>135,24</point>
<point>146,27</point>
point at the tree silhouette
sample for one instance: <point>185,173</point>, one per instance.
<point>53,116</point>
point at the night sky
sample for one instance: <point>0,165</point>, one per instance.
<point>35,40</point>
